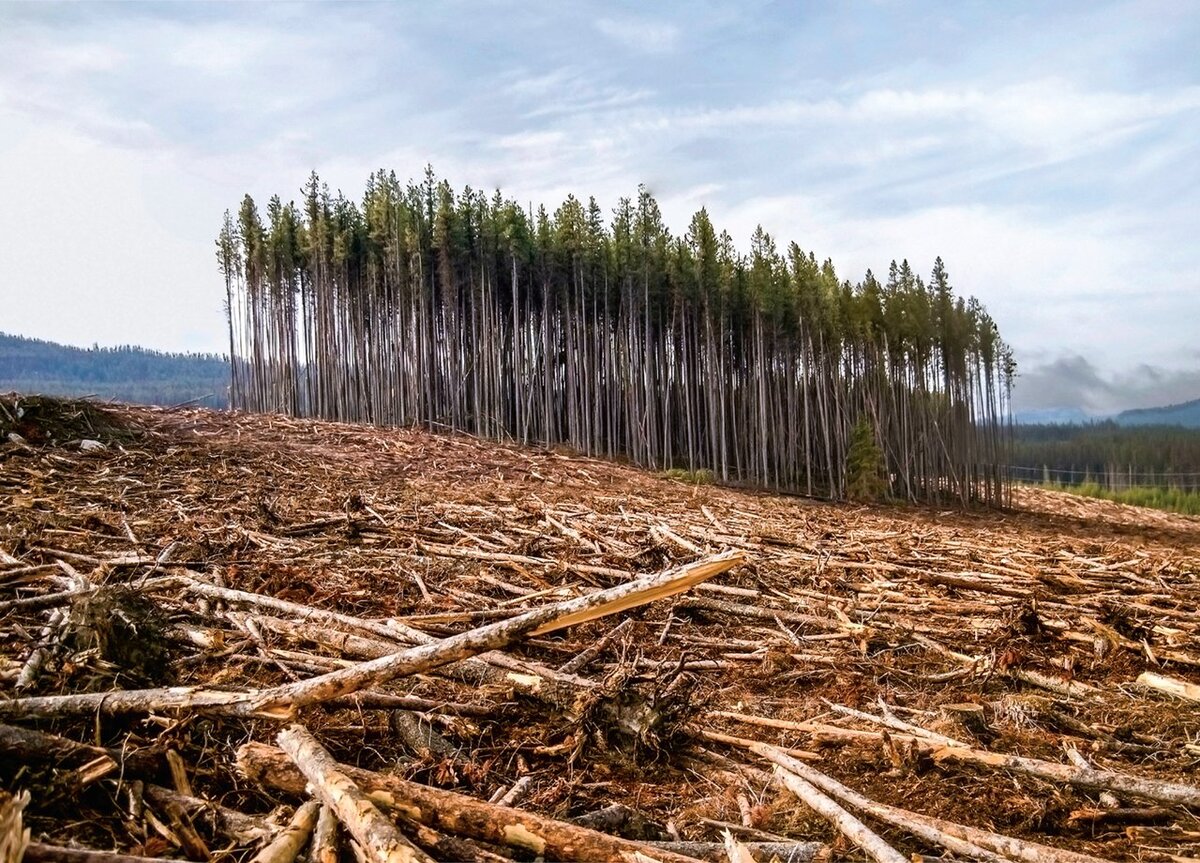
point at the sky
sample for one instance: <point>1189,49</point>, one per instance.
<point>1050,153</point>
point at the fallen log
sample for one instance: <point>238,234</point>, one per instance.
<point>38,852</point>
<point>194,584</point>
<point>50,637</point>
<point>588,654</point>
<point>1173,793</point>
<point>378,836</point>
<point>849,826</point>
<point>29,746</point>
<point>784,852</point>
<point>281,702</point>
<point>969,842</point>
<point>325,838</point>
<point>529,678</point>
<point>1169,685</point>
<point>242,828</point>
<point>1162,791</point>
<point>285,847</point>
<point>456,813</point>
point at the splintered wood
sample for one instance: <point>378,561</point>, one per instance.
<point>495,653</point>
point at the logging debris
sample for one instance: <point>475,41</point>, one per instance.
<point>257,638</point>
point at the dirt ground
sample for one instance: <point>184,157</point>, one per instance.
<point>1020,632</point>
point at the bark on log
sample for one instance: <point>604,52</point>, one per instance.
<point>457,813</point>
<point>281,702</point>
<point>38,852</point>
<point>784,852</point>
<point>970,842</point>
<point>847,824</point>
<point>451,848</point>
<point>376,835</point>
<point>1173,793</point>
<point>174,698</point>
<point>325,839</point>
<point>28,746</point>
<point>285,847</point>
<point>1169,685</point>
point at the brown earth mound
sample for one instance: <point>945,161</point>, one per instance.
<point>1031,673</point>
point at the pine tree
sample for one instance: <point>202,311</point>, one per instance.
<point>865,477</point>
<point>460,311</point>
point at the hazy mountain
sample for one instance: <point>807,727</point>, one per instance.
<point>1186,414</point>
<point>126,373</point>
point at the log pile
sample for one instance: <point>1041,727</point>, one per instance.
<point>265,639</point>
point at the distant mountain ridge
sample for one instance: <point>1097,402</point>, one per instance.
<point>126,373</point>
<point>1186,414</point>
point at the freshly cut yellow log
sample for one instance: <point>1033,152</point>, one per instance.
<point>1169,685</point>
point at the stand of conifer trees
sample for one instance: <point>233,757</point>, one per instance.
<point>465,312</point>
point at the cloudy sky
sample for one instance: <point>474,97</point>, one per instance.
<point>1050,153</point>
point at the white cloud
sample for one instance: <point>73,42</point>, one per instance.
<point>1067,282</point>
<point>1059,191</point>
<point>1050,116</point>
<point>652,37</point>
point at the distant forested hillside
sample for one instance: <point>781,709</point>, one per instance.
<point>1109,454</point>
<point>125,373</point>
<point>1186,414</point>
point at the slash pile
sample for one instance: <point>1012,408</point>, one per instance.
<point>251,637</point>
